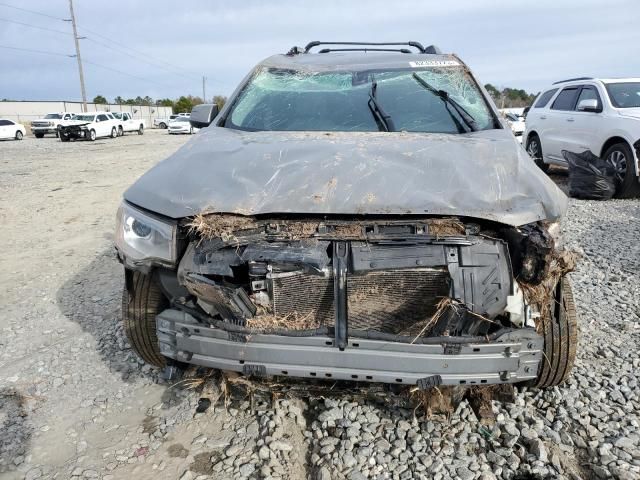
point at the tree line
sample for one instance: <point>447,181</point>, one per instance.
<point>510,97</point>
<point>182,104</point>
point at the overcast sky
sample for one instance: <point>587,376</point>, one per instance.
<point>522,44</point>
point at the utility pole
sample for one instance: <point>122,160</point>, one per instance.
<point>75,38</point>
<point>204,91</point>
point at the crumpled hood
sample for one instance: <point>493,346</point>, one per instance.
<point>483,174</point>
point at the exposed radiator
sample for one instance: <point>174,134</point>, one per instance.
<point>391,301</point>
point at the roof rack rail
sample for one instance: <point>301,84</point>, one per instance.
<point>400,50</point>
<point>417,45</point>
<point>572,80</point>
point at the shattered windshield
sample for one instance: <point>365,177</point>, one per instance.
<point>288,100</point>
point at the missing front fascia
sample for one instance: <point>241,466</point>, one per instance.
<point>395,280</point>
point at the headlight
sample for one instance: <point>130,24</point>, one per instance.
<point>143,237</point>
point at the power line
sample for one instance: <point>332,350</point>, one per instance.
<point>141,56</point>
<point>136,57</point>
<point>31,11</point>
<point>125,73</point>
<point>34,26</point>
<point>44,52</point>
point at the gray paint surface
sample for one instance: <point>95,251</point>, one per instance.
<point>484,174</point>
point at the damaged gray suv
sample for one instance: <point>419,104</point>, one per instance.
<point>354,212</point>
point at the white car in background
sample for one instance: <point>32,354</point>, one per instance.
<point>181,124</point>
<point>90,126</point>
<point>517,124</point>
<point>164,122</point>
<point>12,130</point>
<point>601,115</point>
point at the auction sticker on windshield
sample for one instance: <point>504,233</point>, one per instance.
<point>434,63</point>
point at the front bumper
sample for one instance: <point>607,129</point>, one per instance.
<point>507,357</point>
<point>43,129</point>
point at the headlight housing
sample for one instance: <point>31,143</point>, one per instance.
<point>143,238</point>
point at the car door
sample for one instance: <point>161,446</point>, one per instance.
<point>4,129</point>
<point>559,117</point>
<point>583,127</point>
<point>103,127</point>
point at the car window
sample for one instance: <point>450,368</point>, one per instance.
<point>624,94</point>
<point>566,99</point>
<point>4,123</point>
<point>53,116</point>
<point>544,98</point>
<point>588,93</point>
<point>102,118</point>
<point>288,100</point>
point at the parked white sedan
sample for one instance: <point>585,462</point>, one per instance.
<point>11,129</point>
<point>181,125</point>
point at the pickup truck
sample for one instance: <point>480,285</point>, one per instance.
<point>90,126</point>
<point>164,122</point>
<point>49,123</point>
<point>129,124</point>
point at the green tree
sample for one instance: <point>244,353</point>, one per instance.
<point>186,103</point>
<point>493,91</point>
<point>164,102</point>
<point>99,99</point>
<point>219,100</point>
<point>119,100</point>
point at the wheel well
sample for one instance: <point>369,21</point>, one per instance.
<point>531,134</point>
<point>612,141</point>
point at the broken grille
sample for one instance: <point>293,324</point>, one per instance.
<point>389,301</point>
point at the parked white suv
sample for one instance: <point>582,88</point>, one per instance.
<point>601,115</point>
<point>90,126</point>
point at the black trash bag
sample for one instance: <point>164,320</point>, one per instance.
<point>590,177</point>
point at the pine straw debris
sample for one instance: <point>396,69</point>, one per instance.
<point>290,321</point>
<point>219,225</point>
<point>231,387</point>
<point>446,227</point>
<point>445,304</point>
<point>541,295</point>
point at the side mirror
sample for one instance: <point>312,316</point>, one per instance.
<point>202,115</point>
<point>589,105</point>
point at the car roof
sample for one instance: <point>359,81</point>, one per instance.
<point>352,61</point>
<point>581,80</point>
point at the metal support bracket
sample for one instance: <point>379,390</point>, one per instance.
<point>340,263</point>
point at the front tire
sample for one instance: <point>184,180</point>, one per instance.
<point>163,125</point>
<point>114,132</point>
<point>621,158</point>
<point>64,137</point>
<point>534,149</point>
<point>139,309</point>
<point>120,132</point>
<point>141,130</point>
<point>92,135</point>
<point>19,135</point>
<point>38,135</point>
<point>560,332</point>
<point>190,130</point>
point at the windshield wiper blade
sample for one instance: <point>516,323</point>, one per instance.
<point>469,121</point>
<point>381,117</point>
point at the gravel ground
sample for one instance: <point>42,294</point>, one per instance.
<point>76,402</point>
